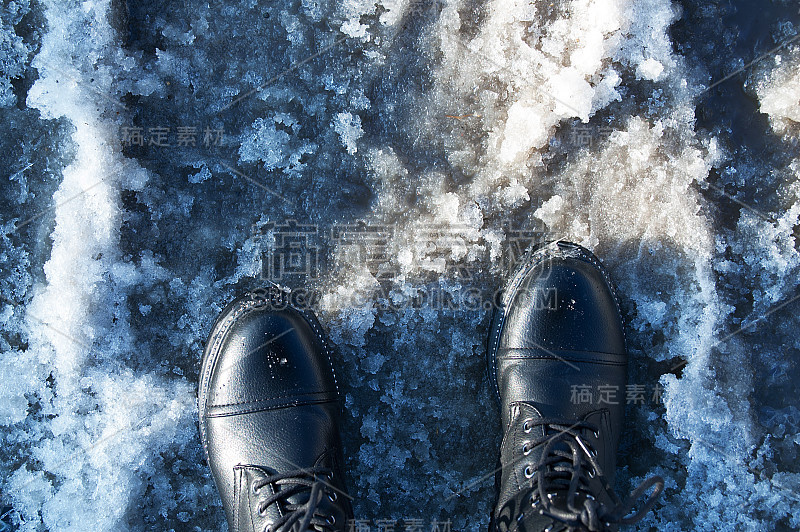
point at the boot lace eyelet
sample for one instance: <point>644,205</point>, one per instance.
<point>333,496</point>
<point>526,448</point>
<point>330,519</point>
<point>528,471</point>
<point>526,427</point>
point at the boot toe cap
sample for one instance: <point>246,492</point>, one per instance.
<point>563,300</point>
<point>267,356</point>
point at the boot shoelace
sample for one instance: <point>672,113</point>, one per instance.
<point>316,480</point>
<point>561,470</point>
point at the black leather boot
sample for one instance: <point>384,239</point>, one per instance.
<point>557,327</point>
<point>269,418</point>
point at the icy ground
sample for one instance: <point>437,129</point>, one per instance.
<point>455,131</point>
